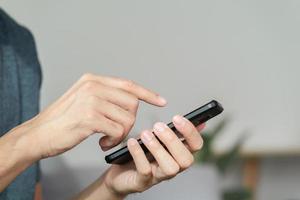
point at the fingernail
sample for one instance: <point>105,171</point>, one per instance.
<point>159,127</point>
<point>131,142</point>
<point>162,100</point>
<point>201,126</point>
<point>108,142</point>
<point>147,136</point>
<point>179,120</point>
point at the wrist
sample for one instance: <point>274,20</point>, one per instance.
<point>16,151</point>
<point>24,143</point>
<point>99,189</point>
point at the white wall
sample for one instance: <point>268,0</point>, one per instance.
<point>244,54</point>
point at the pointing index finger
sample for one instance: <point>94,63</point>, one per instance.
<point>140,92</point>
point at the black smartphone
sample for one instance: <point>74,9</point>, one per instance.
<point>197,117</point>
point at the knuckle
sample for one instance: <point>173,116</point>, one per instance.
<point>88,86</point>
<point>141,187</point>
<point>172,171</point>
<point>87,76</point>
<point>92,99</point>
<point>146,172</point>
<point>119,130</point>
<point>131,119</point>
<point>186,163</point>
<point>135,103</point>
<point>128,84</point>
<point>91,114</point>
<point>85,134</point>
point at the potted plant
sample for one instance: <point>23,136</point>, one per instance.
<point>224,161</point>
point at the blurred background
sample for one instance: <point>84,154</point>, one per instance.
<point>245,54</point>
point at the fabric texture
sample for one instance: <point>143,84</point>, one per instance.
<point>20,81</point>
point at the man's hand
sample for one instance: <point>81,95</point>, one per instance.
<point>95,104</point>
<point>140,174</point>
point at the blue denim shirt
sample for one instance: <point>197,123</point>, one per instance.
<point>20,80</point>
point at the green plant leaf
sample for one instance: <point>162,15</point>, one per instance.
<point>237,194</point>
<point>227,159</point>
<point>205,155</point>
<point>220,127</point>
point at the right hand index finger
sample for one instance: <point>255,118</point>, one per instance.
<point>140,92</point>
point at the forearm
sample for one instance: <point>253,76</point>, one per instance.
<point>98,191</point>
<point>15,155</point>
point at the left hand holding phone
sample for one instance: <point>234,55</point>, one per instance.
<point>140,174</point>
